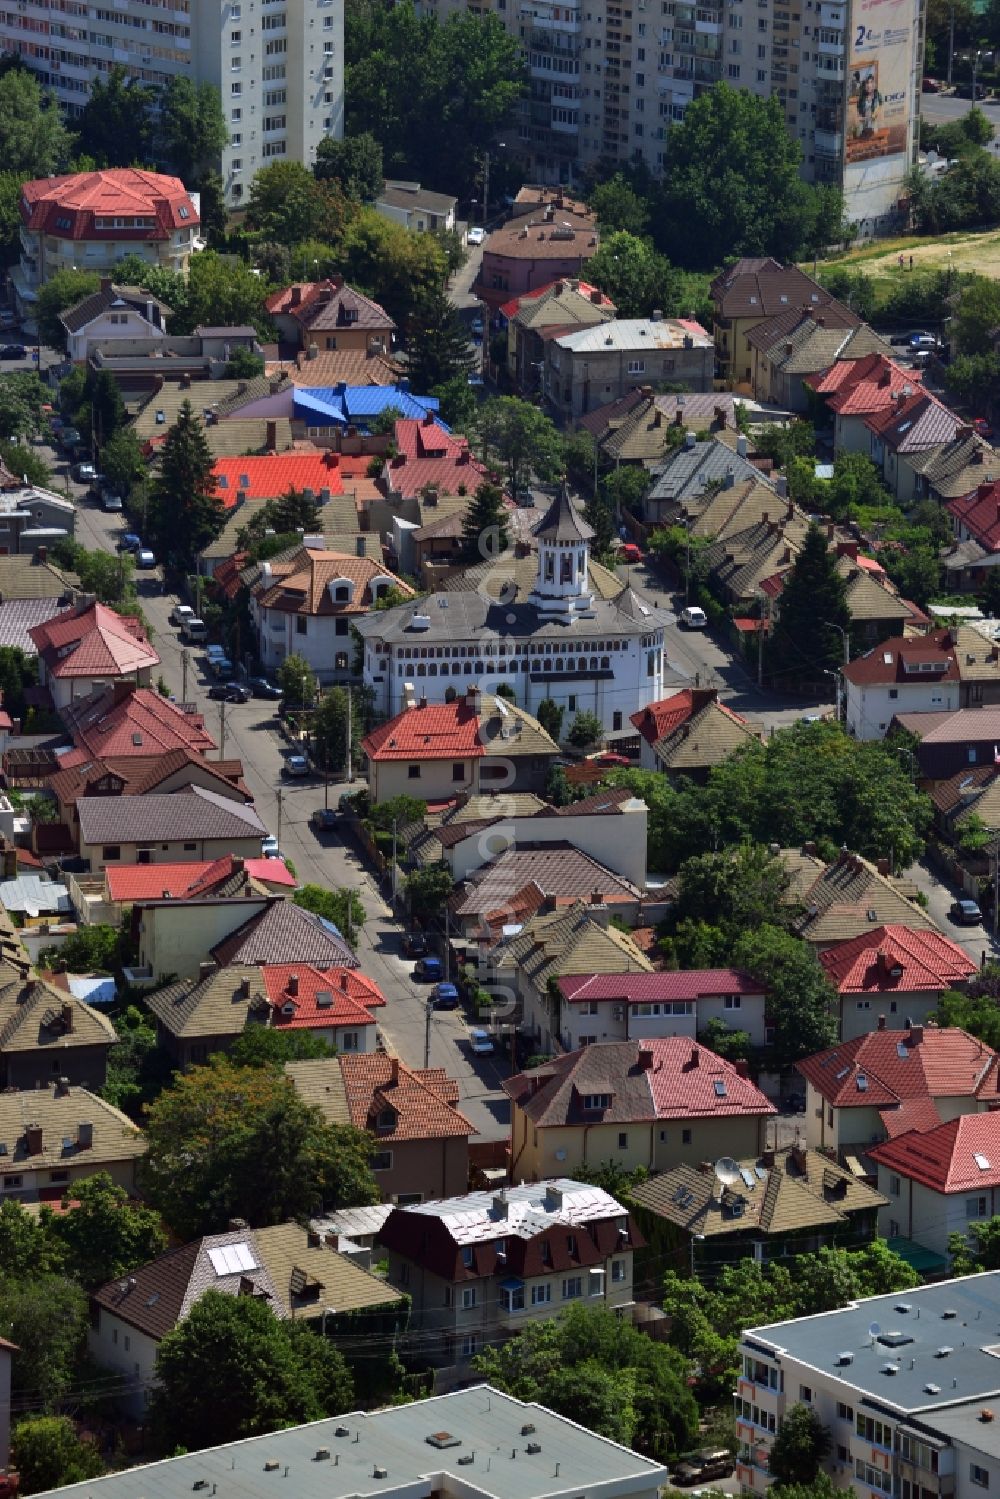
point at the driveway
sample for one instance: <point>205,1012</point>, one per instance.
<point>977,941</point>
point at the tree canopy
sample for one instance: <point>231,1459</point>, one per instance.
<point>48,1454</point>
<point>637,278</point>
<point>34,142</point>
<point>239,1142</point>
<point>806,640</point>
<point>355,162</point>
<point>522,439</point>
<point>184,512</point>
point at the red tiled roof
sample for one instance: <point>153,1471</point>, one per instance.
<point>83,197</point>
<point>896,960</point>
<point>227,574</point>
<point>633,988</point>
<point>960,1156</point>
<point>327,304</point>
<point>888,661</point>
<point>352,996</point>
<point>93,642</point>
<point>512,308</point>
<point>882,1068</point>
<point>663,717</point>
<point>912,1113</point>
<point>912,423</point>
<point>427,454</point>
<point>270,872</point>
<point>859,387</point>
<point>123,720</point>
<point>668,1078</point>
<point>420,1101</point>
<point>979,514</point>
<point>268,476</point>
<point>434,731</point>
<point>137,882</point>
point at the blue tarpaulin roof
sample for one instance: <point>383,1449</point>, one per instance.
<point>338,405</point>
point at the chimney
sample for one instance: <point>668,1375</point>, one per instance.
<point>595,296</point>
<point>916,1034</point>
<point>730,478</point>
<point>332,1240</point>
<point>559,288</point>
<point>830,528</point>
<point>881,1022</point>
<point>205,969</point>
<point>646,1058</point>
<point>781,486</point>
<point>85,1135</point>
<point>359,545</point>
<point>689,438</point>
<point>271,435</point>
<point>882,865</point>
<point>394,1070</point>
<point>244,988</point>
<point>962,432</point>
<point>296,297</point>
<point>695,1057</point>
<point>596,898</point>
<point>33,1139</point>
<point>68,1015</point>
<point>313,1239</point>
<point>473,698</point>
<point>106,284</point>
<point>798,1155</point>
<point>741,445</point>
<point>293,983</point>
<point>62,1087</point>
<point>423,700</point>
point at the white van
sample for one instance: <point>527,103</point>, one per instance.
<point>180,614</point>
<point>693,618</point>
<point>194,629</point>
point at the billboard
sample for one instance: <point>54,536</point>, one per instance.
<point>880,91</point>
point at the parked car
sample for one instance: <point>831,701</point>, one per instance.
<point>429,969</point>
<point>982,427</point>
<point>476,235</point>
<point>83,473</point>
<point>922,340</point>
<point>144,558</point>
<point>931,86</point>
<point>700,1467</point>
<point>295,766</point>
<point>609,760</point>
<point>181,613</point>
<point>8,320</point>
<point>237,693</point>
<point>215,652</point>
<point>324,819</point>
<point>444,997</point>
<point>965,912</point>
<point>68,439</point>
<point>13,351</point>
<point>219,692</point>
<point>630,552</point>
<point>194,629</point>
<point>269,847</point>
<point>477,328</point>
<point>111,503</point>
<point>693,618</point>
<point>415,945</point>
<point>129,542</point>
<point>481,1042</point>
<point>220,666</point>
<point>261,687</point>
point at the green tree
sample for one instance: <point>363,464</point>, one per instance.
<point>438,343</point>
<point>220,293</point>
<point>401,810</point>
<point>27,1246</point>
<point>806,639</point>
<point>288,205</point>
<point>802,1003</point>
<point>297,681</point>
<point>137,1067</point>
<point>97,947</point>
<point>974,377</point>
<point>550,715</point>
<point>619,208</point>
<point>191,131</point>
<point>33,140</point>
<point>185,513</point>
<point>10,216</point>
<point>739,889</point>
<point>330,731</point>
<point>106,1235</point>
<point>522,439</point>
<point>17,671</point>
<point>341,906</point>
<point>620,1368</point>
<point>585,730</point>
<point>239,1142</point>
<point>26,462</point>
<point>114,125</point>
<point>110,578</point>
<point>122,461</point>
<point>398,267</point>
<point>978,314</point>
<point>107,409</point>
<point>485,528</point>
<point>800,1446</point>
<point>262,1377</point>
<point>244,364</point>
<point>262,1046</point>
<point>46,1316</point>
<point>355,162</point>
<point>916,571</point>
<point>48,1454</point>
<point>21,399</point>
<point>635,276</point>
<point>427,889</point>
<point>458,403</point>
<point>62,290</point>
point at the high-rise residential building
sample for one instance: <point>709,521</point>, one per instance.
<point>607,79</point>
<point>278,64</point>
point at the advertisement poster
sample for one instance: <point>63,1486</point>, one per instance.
<point>880,60</point>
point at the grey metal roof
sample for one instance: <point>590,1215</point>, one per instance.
<point>528,1210</point>
<point>192,813</point>
<point>969,1370</point>
<point>631,335</point>
<point>689,469</point>
<point>472,616</point>
<point>33,895</point>
<point>18,616</point>
<point>485,1424</point>
<point>563,521</point>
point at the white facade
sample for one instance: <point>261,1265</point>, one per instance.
<point>872,706</point>
<point>278,65</point>
<point>127,1352</point>
<point>122,321</point>
<point>586,1021</point>
<point>921,1213</point>
<point>618,841</point>
<point>323,640</point>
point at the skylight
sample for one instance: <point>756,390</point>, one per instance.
<point>720,1088</point>
<point>981,1161</point>
<point>862,1083</point>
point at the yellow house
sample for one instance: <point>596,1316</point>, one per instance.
<point>653,1103</point>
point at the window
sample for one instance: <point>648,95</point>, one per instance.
<point>845,1412</point>
<point>685,1137</point>
<point>458,771</point>
<point>11,1183</point>
<point>805,1394</point>
<point>894,1186</point>
<point>541,1295</point>
<point>111,851</point>
<point>382,1160</point>
<point>595,1101</point>
<point>876,1433</point>
<point>975,1207</point>
<point>236,88</point>
<point>468,1259</point>
<point>873,1478</point>
<point>468,1298</point>
<point>572,1288</point>
<point>301,624</point>
<point>470,1345</point>
<point>622,1140</point>
<point>732,1002</point>
<point>58,1176</point>
<point>348,1041</point>
<point>616,721</point>
<point>512,1298</point>
<point>413,772</point>
<point>618,1271</point>
<point>636,367</point>
<point>979,1476</point>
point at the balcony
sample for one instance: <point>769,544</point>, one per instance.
<point>832,49</point>
<point>829,142</point>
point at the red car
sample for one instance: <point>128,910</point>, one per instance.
<point>631,553</point>
<point>982,427</point>
<point>931,86</point>
<point>611,761</point>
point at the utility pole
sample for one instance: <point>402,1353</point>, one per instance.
<point>951,46</point>
<point>184,674</point>
<point>486,172</point>
<point>760,641</point>
<point>350,766</point>
<point>394,862</point>
<point>427,1035</point>
<point>280,795</point>
<point>222,730</point>
<point>447,943</point>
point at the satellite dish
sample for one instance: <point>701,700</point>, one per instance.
<point>874,1330</point>
<point>727,1170</point>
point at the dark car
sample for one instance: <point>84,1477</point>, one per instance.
<point>219,692</point>
<point>13,351</point>
<point>703,1466</point>
<point>444,997</point>
<point>415,945</point>
<point>794,1103</point>
<point>237,693</point>
<point>324,819</point>
<point>261,687</point>
<point>965,913</point>
<point>430,969</point>
<point>129,542</point>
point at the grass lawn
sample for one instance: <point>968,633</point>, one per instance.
<point>979,251</point>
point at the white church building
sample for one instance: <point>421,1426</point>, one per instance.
<point>605,656</point>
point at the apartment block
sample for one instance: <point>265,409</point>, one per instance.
<point>609,77</point>
<point>278,64</point>
<point>906,1385</point>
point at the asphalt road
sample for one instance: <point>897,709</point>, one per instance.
<point>251,733</point>
<point>973,940</point>
<point>939,109</point>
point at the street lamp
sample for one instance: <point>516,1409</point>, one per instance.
<point>836,678</point>
<point>845,637</point>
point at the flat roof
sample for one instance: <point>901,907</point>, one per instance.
<point>479,1422</point>
<point>943,1341</point>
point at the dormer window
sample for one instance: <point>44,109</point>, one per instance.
<point>468,1256</point>
<point>341,590</point>
<point>594,1102</point>
<point>385,1120</point>
<point>546,1252</point>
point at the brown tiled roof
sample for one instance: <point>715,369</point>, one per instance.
<point>285,933</point>
<point>27,578</point>
<point>947,795</point>
<point>420,1104</point>
<point>881,1068</point>
<point>35,1017</point>
<point>177,816</point>
<point>760,284</point>
<point>557,869</point>
<point>221,1004</point>
<point>136,775</point>
<point>329,305</point>
<point>708,738</point>
<point>850,897</point>
<point>304,587</point>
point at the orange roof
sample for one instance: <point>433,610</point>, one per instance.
<point>397,1102</point>
<point>318,999</point>
<point>271,475</point>
<point>896,960</point>
<point>93,641</point>
<point>663,717</point>
<point>860,387</point>
<point>881,1068</point>
<point>270,872</point>
<point>303,586</point>
<point>433,731</point>
<point>153,205</point>
<point>960,1156</point>
<point>126,720</point>
<point>427,454</point>
<point>136,882</point>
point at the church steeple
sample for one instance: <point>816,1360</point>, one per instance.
<point>562,583</point>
